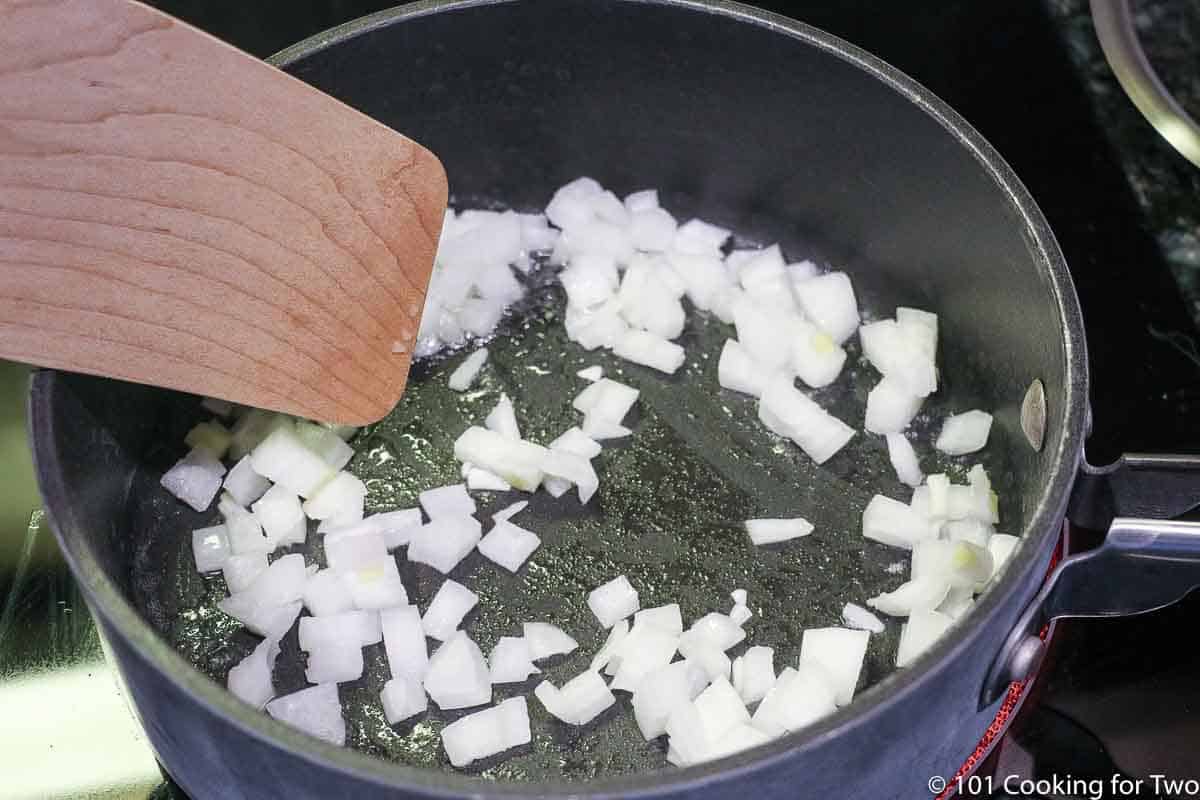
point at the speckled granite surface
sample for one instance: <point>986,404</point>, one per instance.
<point>1165,184</point>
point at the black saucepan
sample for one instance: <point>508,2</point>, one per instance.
<point>782,133</point>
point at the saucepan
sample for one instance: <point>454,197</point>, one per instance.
<point>782,133</point>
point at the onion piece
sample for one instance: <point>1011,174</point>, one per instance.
<point>508,545</point>
<point>250,679</point>
<point>592,373</point>
<point>488,732</point>
<point>403,698</point>
<point>606,400</point>
<point>450,604</point>
<point>648,349</point>
<point>281,516</point>
<point>815,357</point>
<point>662,691</point>
<point>960,564</point>
<point>667,618</point>
<point>361,628</point>
<point>458,675</point>
<point>737,370</point>
<point>920,327</point>
<point>739,596</point>
<point>265,620</point>
<point>972,531</point>
<point>325,442</point>
<point>790,413</point>
<point>964,433</point>
<point>447,501</point>
<point>828,300</point>
<point>716,630</point>
<point>511,660</point>
<point>326,594</point>
<point>698,236</point>
<point>377,586</point>
<point>855,616</point>
<point>547,640</point>
<point>613,601</point>
<point>904,459</point>
<point>510,511</point>
<point>737,739</point>
<point>396,527</point>
<point>957,603</point>
<point>404,642</point>
<point>840,651</point>
<point>576,469</point>
<point>799,697</point>
<point>720,709</point>
<point>195,479</point>
<point>644,650</point>
<point>576,442</point>
<point>894,523</point>
<point>579,701</point>
<point>890,407</point>
<point>210,548</point>
<point>899,357</point>
<point>642,200</point>
<point>445,541</point>
<point>1001,547</point>
<point>243,484</point>
<point>283,458</point>
<point>334,662</point>
<point>244,530</point>
<point>924,627</point>
<point>912,596</point>
<point>211,436</point>
<point>753,673</point>
<point>480,480</point>
<point>518,462</point>
<point>503,419</point>
<point>315,710</point>
<point>464,375</point>
<point>771,531</point>
<point>740,614</point>
<point>255,426</point>
<point>612,645</point>
<point>347,552</point>
<point>240,571</point>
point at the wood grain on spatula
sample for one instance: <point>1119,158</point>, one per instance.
<point>176,212</point>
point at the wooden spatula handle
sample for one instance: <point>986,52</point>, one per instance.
<point>176,212</point>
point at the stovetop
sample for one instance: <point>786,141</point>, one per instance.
<point>1122,697</point>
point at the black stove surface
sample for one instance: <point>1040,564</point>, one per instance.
<point>1123,697</point>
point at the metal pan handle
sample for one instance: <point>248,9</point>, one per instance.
<point>1143,565</point>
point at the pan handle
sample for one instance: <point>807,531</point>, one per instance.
<point>1143,565</point>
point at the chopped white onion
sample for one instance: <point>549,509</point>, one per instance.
<point>402,699</point>
<point>315,710</point>
<point>894,523</point>
<point>828,300</point>
<point>1001,546</point>
<point>361,628</point>
<point>667,618</point>
<point>450,604</point>
<point>890,407</point>
<point>754,673</point>
<point>518,462</point>
<point>579,701</point>
<point>510,511</point>
<point>648,349</point>
<point>815,357</point>
<point>800,697</point>
<point>576,442</point>
<point>503,419</point>
<point>464,375</point>
<point>447,501</point>
<point>770,531</point>
<point>840,651</point>
<point>720,709</point>
<point>511,660</point>
<point>458,675</point>
<point>613,601</point>
<point>737,370</point>
<point>326,594</point>
<point>612,645</point>
<point>210,548</point>
<point>488,732</point>
<point>855,616</point>
<point>547,640</point>
<point>334,662</point>
<point>195,479</point>
<point>740,614</point>
<point>606,400</point>
<point>443,542</point>
<point>508,545</point>
<point>924,627</point>
<point>377,586</point>
<point>592,373</point>
<point>244,484</point>
<point>698,236</point>
<point>396,527</point>
<point>573,468</point>
<point>265,620</point>
<point>325,442</point>
<point>347,552</point>
<point>904,459</point>
<point>957,563</point>
<point>790,413</point>
<point>662,691</point>
<point>250,679</point>
<point>964,433</point>
<point>240,571</point>
<point>915,595</point>
<point>899,356</point>
<point>646,648</point>
<point>281,516</point>
<point>404,642</point>
<point>283,458</point>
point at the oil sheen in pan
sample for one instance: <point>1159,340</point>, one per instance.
<point>668,514</point>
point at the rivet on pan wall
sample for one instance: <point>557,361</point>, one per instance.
<point>1033,414</point>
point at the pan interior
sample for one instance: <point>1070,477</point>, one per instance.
<point>745,126</point>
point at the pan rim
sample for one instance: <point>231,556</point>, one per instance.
<point>118,614</point>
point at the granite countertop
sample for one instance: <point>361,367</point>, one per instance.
<point>1166,185</point>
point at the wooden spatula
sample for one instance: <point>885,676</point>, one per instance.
<point>176,212</point>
